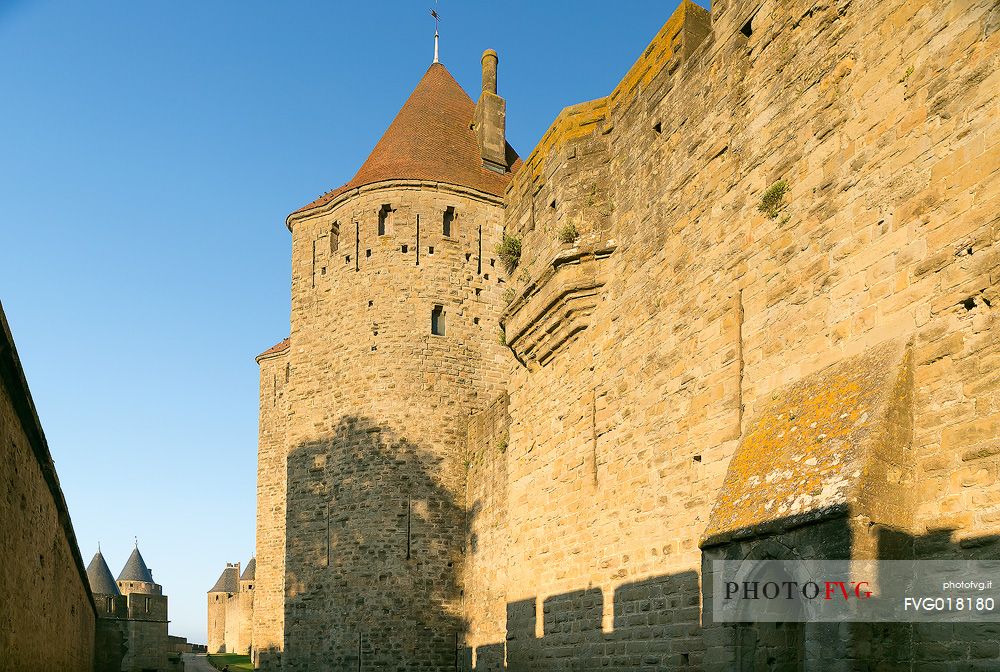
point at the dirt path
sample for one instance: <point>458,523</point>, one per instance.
<point>196,662</point>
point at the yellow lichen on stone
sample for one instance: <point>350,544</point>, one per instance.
<point>807,449</point>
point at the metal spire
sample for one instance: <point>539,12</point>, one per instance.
<point>437,19</point>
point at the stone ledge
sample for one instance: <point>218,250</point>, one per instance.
<point>558,304</point>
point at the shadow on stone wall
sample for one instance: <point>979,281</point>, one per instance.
<point>654,626</point>
<point>657,622</point>
<point>945,646</point>
<point>374,548</point>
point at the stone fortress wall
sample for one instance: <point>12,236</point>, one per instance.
<point>782,207</point>
<point>49,615</point>
<point>881,118</point>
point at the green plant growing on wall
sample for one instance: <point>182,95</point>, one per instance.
<point>773,199</point>
<point>502,338</point>
<point>568,233</point>
<point>509,251</point>
<point>508,295</point>
<point>502,445</point>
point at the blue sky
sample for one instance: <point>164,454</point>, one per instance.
<point>149,153</point>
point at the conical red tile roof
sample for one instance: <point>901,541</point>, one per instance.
<point>431,138</point>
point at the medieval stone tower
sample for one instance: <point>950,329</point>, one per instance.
<point>230,610</point>
<point>394,341</point>
<point>132,620</point>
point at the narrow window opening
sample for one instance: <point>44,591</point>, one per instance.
<point>368,253</point>
<point>288,371</point>
<point>437,320</point>
<point>697,458</point>
<point>314,265</point>
<point>147,605</point>
<point>409,510</point>
<point>322,271</point>
<point>486,276</point>
<point>468,256</point>
<point>416,249</point>
<point>747,28</point>
<point>334,237</point>
<point>430,250</point>
<point>447,221</point>
<point>357,246</point>
<point>111,604</point>
<point>658,128</point>
<point>475,320</point>
<point>553,204</point>
<point>347,258</point>
<point>404,249</point>
<point>383,217</point>
<point>371,303</point>
<point>479,259</point>
<point>493,262</point>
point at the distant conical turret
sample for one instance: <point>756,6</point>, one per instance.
<point>101,580</point>
<point>250,570</point>
<point>135,569</point>
<point>136,577</point>
<point>229,580</point>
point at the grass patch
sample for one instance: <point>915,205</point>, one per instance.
<point>236,662</point>
<point>773,199</point>
<point>568,234</point>
<point>509,251</point>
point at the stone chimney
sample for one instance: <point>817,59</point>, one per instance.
<point>490,120</point>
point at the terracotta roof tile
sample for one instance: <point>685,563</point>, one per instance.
<point>277,347</point>
<point>431,138</point>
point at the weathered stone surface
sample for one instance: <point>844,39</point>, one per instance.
<point>869,130</point>
<point>828,443</point>
<point>48,616</point>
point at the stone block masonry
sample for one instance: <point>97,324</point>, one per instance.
<point>48,618</point>
<point>775,196</point>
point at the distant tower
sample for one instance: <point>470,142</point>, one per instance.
<point>111,630</point>
<point>244,638</point>
<point>131,631</point>
<point>135,577</point>
<point>223,611</point>
<point>396,295</point>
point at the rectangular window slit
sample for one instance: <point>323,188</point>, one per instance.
<point>383,217</point>
<point>430,250</point>
<point>437,320</point>
<point>449,217</point>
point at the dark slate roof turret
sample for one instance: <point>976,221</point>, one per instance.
<point>249,572</point>
<point>101,581</point>
<point>135,569</point>
<point>229,581</point>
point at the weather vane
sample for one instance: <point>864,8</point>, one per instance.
<point>437,20</point>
